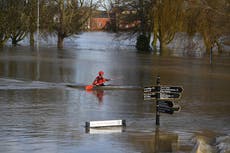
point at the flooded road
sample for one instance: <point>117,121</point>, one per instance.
<point>39,113</point>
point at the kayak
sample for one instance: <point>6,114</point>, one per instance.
<point>107,87</point>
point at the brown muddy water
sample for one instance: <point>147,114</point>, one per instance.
<point>39,113</point>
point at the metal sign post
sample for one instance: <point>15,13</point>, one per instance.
<point>165,97</point>
<point>157,99</point>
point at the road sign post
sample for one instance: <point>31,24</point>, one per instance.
<point>163,96</point>
<point>157,99</point>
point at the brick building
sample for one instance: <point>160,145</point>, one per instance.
<point>99,21</point>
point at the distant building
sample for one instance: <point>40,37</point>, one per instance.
<point>101,20</point>
<point>125,23</point>
<point>99,23</point>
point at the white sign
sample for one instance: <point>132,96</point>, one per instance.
<point>105,123</point>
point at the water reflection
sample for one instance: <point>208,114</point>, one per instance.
<point>98,93</point>
<point>204,142</point>
<point>105,130</point>
<point>156,142</point>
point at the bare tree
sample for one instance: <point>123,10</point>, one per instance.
<point>168,19</point>
<point>210,18</point>
<point>31,7</point>
<point>136,16</point>
<point>4,28</point>
<point>13,18</point>
<point>66,17</point>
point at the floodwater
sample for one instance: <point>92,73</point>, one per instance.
<point>39,113</point>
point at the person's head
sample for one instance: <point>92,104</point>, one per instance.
<point>101,73</point>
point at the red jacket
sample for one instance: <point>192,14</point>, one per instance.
<point>100,80</point>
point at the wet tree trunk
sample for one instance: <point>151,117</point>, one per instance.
<point>31,39</point>
<point>3,39</point>
<point>154,42</point>
<point>14,41</point>
<point>60,43</point>
<point>210,57</point>
<point>160,39</point>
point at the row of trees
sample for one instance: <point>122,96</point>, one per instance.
<point>164,18</point>
<point>60,17</point>
<point>160,18</point>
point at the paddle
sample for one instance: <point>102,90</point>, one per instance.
<point>90,87</point>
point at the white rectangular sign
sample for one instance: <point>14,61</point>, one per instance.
<point>105,123</point>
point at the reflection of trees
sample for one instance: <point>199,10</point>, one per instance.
<point>20,70</point>
<point>155,142</point>
<point>33,110</point>
<point>26,67</point>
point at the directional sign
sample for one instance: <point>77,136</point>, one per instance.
<point>152,95</point>
<point>174,89</point>
<point>150,89</point>
<point>163,96</point>
<point>176,108</point>
<point>167,110</point>
<point>165,103</point>
<point>171,89</point>
<point>169,95</point>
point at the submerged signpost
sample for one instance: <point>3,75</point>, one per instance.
<point>164,96</point>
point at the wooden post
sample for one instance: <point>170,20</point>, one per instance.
<point>157,101</point>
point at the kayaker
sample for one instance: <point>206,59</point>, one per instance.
<point>100,80</point>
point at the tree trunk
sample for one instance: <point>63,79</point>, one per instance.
<point>160,40</point>
<point>154,43</point>
<point>3,39</point>
<point>142,43</point>
<point>31,39</point>
<point>1,44</point>
<point>14,41</point>
<point>60,41</point>
<point>219,47</point>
